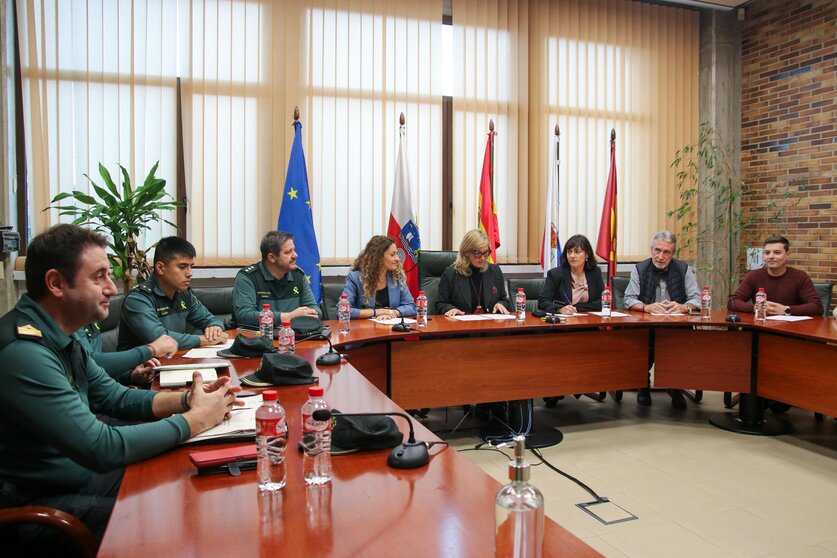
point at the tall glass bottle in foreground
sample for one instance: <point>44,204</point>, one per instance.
<point>519,512</point>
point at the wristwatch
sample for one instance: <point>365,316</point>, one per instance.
<point>787,310</point>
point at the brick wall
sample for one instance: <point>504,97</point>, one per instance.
<point>789,124</point>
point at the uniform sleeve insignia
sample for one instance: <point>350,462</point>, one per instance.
<point>29,330</point>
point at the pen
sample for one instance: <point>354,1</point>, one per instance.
<point>567,299</point>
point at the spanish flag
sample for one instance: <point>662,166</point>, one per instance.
<point>488,209</point>
<point>606,245</point>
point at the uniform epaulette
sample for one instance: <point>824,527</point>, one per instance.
<point>16,325</point>
<point>144,287</point>
<point>250,269</point>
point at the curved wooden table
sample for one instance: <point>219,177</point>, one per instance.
<point>446,508</point>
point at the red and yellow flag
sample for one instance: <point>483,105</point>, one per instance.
<point>606,245</point>
<point>488,209</point>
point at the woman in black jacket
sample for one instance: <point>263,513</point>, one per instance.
<point>471,285</point>
<point>576,284</point>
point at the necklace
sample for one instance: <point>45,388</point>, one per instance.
<point>479,309</point>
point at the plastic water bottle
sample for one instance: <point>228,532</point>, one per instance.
<point>706,304</point>
<point>271,439</point>
<point>287,339</point>
<point>316,440</point>
<point>761,305</point>
<point>519,512</point>
<point>421,310</point>
<point>266,322</point>
<point>520,305</point>
<point>344,315</point>
<point>607,301</point>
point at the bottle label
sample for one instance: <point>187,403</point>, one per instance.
<point>270,427</point>
<point>311,425</point>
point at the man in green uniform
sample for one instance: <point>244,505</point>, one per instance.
<point>54,451</point>
<point>132,367</point>
<point>276,280</point>
<point>164,304</point>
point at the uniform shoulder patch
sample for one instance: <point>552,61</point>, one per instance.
<point>29,331</point>
<point>250,268</point>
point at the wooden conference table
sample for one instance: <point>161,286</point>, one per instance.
<point>443,509</point>
<point>446,508</point>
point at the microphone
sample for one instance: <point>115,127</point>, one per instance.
<point>332,357</point>
<point>733,317</point>
<point>410,455</point>
<point>402,327</point>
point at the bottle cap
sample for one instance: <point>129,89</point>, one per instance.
<point>421,293</point>
<point>705,288</point>
<point>344,296</point>
<point>761,289</point>
<point>315,391</point>
<point>270,395</point>
<point>520,289</point>
<point>286,323</point>
<point>265,306</point>
<point>519,469</point>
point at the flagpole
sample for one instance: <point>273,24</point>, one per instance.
<point>491,179</point>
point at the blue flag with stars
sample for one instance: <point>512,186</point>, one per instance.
<point>296,217</point>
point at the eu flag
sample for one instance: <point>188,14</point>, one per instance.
<point>296,217</point>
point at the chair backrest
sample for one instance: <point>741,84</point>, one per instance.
<point>825,290</point>
<point>431,265</point>
<point>532,288</point>
<point>109,327</point>
<point>619,286</point>
<point>331,294</point>
<point>219,301</point>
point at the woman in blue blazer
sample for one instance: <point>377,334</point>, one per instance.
<point>377,286</point>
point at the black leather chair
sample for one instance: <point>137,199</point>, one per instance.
<point>532,288</point>
<point>431,265</point>
<point>109,327</point>
<point>219,301</point>
<point>331,294</point>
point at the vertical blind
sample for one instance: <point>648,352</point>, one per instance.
<point>100,85</point>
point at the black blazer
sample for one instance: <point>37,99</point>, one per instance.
<point>558,287</point>
<point>455,290</point>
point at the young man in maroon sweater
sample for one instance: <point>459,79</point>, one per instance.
<point>789,290</point>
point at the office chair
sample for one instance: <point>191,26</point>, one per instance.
<point>75,530</point>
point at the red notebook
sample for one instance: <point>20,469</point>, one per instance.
<point>214,458</point>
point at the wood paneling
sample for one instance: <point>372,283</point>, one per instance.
<point>701,359</point>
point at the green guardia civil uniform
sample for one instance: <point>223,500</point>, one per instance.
<point>51,391</point>
<point>148,313</point>
<point>255,286</point>
<point>118,364</point>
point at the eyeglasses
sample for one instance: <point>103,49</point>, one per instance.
<point>478,254</point>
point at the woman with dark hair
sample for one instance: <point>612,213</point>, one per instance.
<point>377,286</point>
<point>472,285</point>
<point>576,285</point>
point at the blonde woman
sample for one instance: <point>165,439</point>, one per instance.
<point>377,286</point>
<point>471,285</point>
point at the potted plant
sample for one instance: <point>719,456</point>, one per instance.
<point>122,213</point>
<point>711,219</point>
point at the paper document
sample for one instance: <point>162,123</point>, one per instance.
<point>499,316</point>
<point>241,424</point>
<point>391,321</point>
<point>470,317</point>
<point>667,314</point>
<point>788,318</point>
<point>208,352</point>
<point>220,363</point>
<point>183,377</point>
<point>576,315</point>
<point>614,314</point>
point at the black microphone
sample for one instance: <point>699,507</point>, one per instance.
<point>402,327</point>
<point>410,455</point>
<point>332,357</point>
<point>733,317</point>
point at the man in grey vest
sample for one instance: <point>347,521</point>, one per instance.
<point>662,284</point>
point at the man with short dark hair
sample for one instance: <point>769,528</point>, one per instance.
<point>662,284</point>
<point>164,304</point>
<point>54,450</point>
<point>789,290</point>
<point>277,281</point>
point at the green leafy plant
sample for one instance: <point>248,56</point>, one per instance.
<point>707,178</point>
<point>122,213</point>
